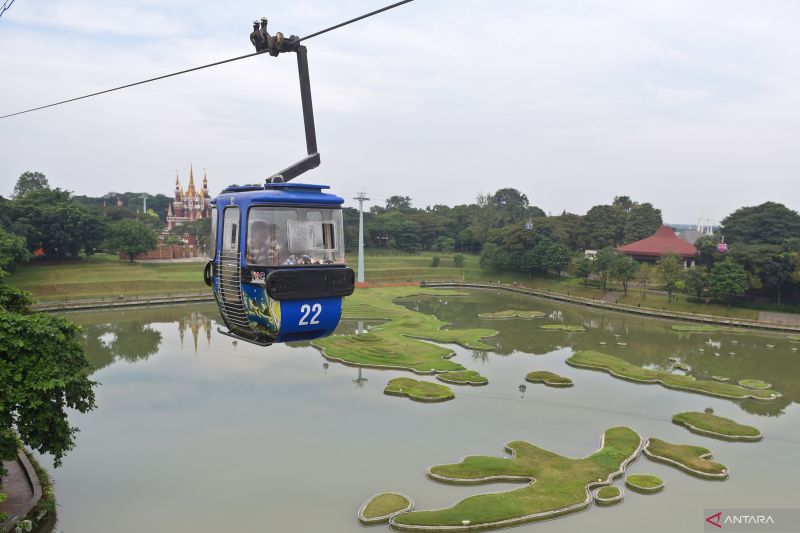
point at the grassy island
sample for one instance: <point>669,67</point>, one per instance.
<point>754,384</point>
<point>644,483</point>
<point>622,369</point>
<point>716,426</point>
<point>608,495</point>
<point>548,378</point>
<point>381,507</point>
<point>511,313</point>
<point>795,338</point>
<point>395,343</point>
<point>573,328</point>
<point>420,391</point>
<point>462,377</point>
<point>556,486</point>
<point>692,459</point>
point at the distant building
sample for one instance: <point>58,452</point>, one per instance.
<point>663,241</point>
<point>193,204</point>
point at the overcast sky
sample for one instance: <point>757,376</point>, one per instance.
<point>691,105</point>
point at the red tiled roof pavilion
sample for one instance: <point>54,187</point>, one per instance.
<point>663,241</point>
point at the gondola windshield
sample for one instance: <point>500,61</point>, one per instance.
<point>291,236</point>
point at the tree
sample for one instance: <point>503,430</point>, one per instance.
<point>92,232</point>
<point>642,221</point>
<point>644,275</point>
<point>43,371</point>
<point>29,182</point>
<point>727,279</point>
<point>399,203</point>
<point>458,261</point>
<point>13,250</point>
<point>777,273</point>
<point>511,205</point>
<point>624,269</point>
<point>132,238</point>
<point>768,223</point>
<point>669,268</point>
<point>603,225</point>
<point>707,250</point>
<point>603,265</point>
<point>697,281</point>
<point>583,269</point>
<point>493,258</point>
<point>557,257</point>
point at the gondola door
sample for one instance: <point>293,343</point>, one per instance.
<point>230,272</point>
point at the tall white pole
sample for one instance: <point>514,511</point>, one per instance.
<point>362,197</point>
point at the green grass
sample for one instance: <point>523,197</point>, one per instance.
<point>462,377</point>
<point>693,459</point>
<point>608,495</point>
<point>622,369</point>
<point>548,378</point>
<point>512,313</point>
<point>381,506</point>
<point>646,483</point>
<point>756,384</point>
<point>561,483</point>
<point>563,327</point>
<point>421,391</point>
<point>795,338</point>
<point>106,276</point>
<point>394,344</point>
<point>716,426</point>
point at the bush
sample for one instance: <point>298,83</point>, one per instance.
<point>436,261</point>
<point>458,260</point>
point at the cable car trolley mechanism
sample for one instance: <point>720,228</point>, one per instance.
<point>278,269</point>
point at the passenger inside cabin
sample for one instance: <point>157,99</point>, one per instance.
<point>262,245</point>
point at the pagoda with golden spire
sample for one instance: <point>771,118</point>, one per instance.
<point>189,205</point>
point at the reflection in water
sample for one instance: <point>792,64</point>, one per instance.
<point>194,322</point>
<point>644,342</point>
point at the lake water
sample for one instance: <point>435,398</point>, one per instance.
<point>195,433</point>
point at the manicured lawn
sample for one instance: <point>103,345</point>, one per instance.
<point>462,377</point>
<point>511,313</point>
<point>106,276</point>
<point>712,425</point>
<point>754,384</point>
<point>393,344</point>
<point>622,369</point>
<point>646,483</point>
<point>573,328</point>
<point>421,391</point>
<point>693,459</point>
<point>381,506</point>
<point>561,483</point>
<point>548,378</point>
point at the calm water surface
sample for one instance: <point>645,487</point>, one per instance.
<point>195,433</point>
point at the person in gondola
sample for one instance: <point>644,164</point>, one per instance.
<point>262,246</point>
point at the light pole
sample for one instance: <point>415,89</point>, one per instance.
<point>361,197</point>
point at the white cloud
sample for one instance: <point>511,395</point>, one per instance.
<point>692,106</point>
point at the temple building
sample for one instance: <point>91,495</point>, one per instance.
<point>192,204</point>
<point>663,241</point>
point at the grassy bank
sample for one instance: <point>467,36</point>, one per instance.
<point>105,276</point>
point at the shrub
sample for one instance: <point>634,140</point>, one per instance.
<point>458,260</point>
<point>436,261</point>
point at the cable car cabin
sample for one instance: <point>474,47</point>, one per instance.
<point>278,270</point>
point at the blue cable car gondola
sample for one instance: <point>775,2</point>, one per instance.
<point>278,268</point>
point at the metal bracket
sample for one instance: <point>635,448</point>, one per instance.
<point>240,338</point>
<point>312,160</point>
